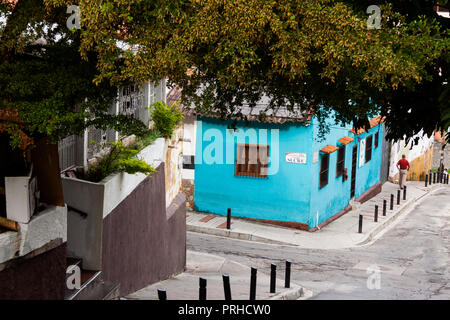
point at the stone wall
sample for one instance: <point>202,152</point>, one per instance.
<point>441,155</point>
<point>187,188</point>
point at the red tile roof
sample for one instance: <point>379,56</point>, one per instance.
<point>345,140</point>
<point>329,149</point>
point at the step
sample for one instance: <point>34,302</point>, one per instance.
<point>89,280</point>
<point>103,290</point>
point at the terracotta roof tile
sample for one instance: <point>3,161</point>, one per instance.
<point>345,140</point>
<point>329,149</point>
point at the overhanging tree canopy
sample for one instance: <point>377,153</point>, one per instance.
<point>316,54</point>
<point>46,88</point>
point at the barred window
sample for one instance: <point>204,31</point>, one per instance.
<point>368,148</point>
<point>324,166</point>
<point>252,160</point>
<point>340,161</point>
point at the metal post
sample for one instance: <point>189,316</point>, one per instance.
<point>202,289</point>
<point>404,193</point>
<point>392,202</point>
<point>426,180</point>
<point>228,218</point>
<point>430,177</point>
<point>253,284</point>
<point>162,294</point>
<point>375,217</point>
<point>398,197</point>
<point>287,276</point>
<point>360,223</point>
<point>226,286</point>
<point>273,277</point>
<point>384,207</point>
<point>434,177</point>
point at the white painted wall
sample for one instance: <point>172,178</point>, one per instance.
<point>399,148</point>
<point>190,131</point>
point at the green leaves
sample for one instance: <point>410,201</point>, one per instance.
<point>165,118</point>
<point>119,159</point>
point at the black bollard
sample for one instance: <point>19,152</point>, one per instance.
<point>429,181</point>
<point>384,207</point>
<point>391,207</point>
<point>426,180</point>
<point>287,275</point>
<point>398,197</point>
<point>404,193</point>
<point>375,217</point>
<point>360,223</point>
<point>226,286</point>
<point>202,289</point>
<point>162,294</point>
<point>434,177</point>
<point>228,218</point>
<point>273,278</point>
<point>253,284</point>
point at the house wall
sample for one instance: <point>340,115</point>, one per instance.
<point>173,165</point>
<point>335,196</point>
<point>283,196</point>
<point>420,157</point>
<point>292,193</point>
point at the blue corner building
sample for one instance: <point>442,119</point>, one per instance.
<point>281,170</point>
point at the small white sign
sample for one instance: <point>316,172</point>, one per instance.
<point>295,157</point>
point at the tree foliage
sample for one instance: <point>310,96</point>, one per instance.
<point>45,82</point>
<point>308,55</point>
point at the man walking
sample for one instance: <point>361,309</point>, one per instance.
<point>403,167</point>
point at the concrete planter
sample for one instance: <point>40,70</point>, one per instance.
<point>90,203</point>
<point>20,197</point>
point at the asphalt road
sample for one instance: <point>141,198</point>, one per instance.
<point>409,261</point>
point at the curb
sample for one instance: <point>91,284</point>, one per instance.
<point>292,294</point>
<point>394,216</point>
<point>234,235</point>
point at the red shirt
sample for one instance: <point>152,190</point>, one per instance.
<point>403,163</point>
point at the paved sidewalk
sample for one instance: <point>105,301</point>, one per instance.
<point>341,233</point>
<point>185,286</point>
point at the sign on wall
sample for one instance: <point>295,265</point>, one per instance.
<point>295,157</point>
<point>362,152</point>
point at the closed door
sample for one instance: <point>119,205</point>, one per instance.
<point>353,181</point>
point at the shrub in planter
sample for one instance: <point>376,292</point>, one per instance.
<point>165,118</point>
<point>119,159</point>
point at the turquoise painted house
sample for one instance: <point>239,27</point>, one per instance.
<point>280,171</point>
